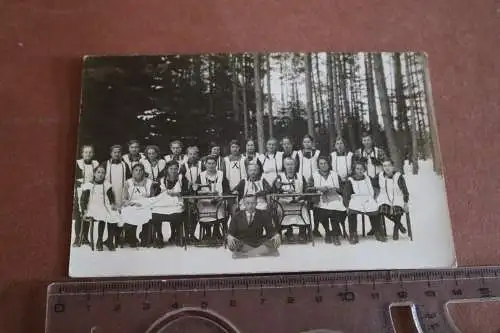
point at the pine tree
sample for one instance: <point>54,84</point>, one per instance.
<point>309,95</point>
<point>259,116</point>
<point>386,111</point>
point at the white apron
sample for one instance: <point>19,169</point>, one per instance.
<point>297,186</point>
<point>192,172</point>
<point>165,203</point>
<point>235,171</point>
<point>181,159</point>
<point>130,163</point>
<point>371,169</point>
<point>153,172</point>
<point>205,206</point>
<point>330,201</point>
<point>362,198</point>
<point>116,174</point>
<point>99,207</point>
<point>137,215</point>
<point>342,164</point>
<point>390,193</point>
<point>87,176</point>
<point>308,166</point>
<point>252,187</point>
<point>271,166</point>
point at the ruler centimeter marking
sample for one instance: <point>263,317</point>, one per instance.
<point>299,302</point>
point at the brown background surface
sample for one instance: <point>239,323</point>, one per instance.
<point>42,42</point>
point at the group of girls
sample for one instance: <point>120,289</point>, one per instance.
<point>144,190</point>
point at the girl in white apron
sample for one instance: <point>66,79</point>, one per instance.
<point>253,185</point>
<point>308,159</point>
<point>271,161</point>
<point>308,165</point>
<point>168,205</point>
<point>251,155</point>
<point>176,153</point>
<point>192,167</point>
<point>153,165</point>
<point>287,146</point>
<point>234,166</point>
<point>117,172</point>
<point>133,212</point>
<point>84,174</point>
<point>359,198</point>
<point>393,196</point>
<point>134,155</point>
<point>341,160</point>
<point>290,182</point>
<point>330,207</point>
<point>191,170</point>
<point>99,205</point>
<point>211,181</point>
<point>215,151</point>
<point>372,155</point>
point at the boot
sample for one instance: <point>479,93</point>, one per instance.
<point>328,237</point>
<point>376,223</point>
<point>146,235</point>
<point>395,232</point>
<point>317,234</point>
<point>289,234</point>
<point>77,242</point>
<point>353,238</point>
<point>302,234</point>
<point>111,237</point>
<point>84,240</point>
<point>379,235</point>
<point>131,236</point>
<point>336,240</point>
<point>100,233</point>
<point>158,235</point>
<point>353,229</point>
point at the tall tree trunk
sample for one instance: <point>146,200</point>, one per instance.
<point>259,116</point>
<point>269,95</point>
<point>320,92</point>
<point>315,99</point>
<point>386,111</point>
<point>336,95</point>
<point>244,92</point>
<point>429,106</point>
<point>331,102</point>
<point>372,104</point>
<point>345,101</point>
<point>413,110</point>
<point>309,97</point>
<point>211,83</point>
<point>283,97</point>
<point>425,144</point>
<point>234,82</point>
<point>402,116</point>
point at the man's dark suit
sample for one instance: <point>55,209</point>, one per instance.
<point>252,233</point>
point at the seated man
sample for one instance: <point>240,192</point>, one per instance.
<point>245,235</point>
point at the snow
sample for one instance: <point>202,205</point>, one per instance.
<point>432,247</point>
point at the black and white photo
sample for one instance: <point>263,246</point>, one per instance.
<point>257,163</point>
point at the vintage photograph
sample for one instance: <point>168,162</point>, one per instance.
<point>257,163</point>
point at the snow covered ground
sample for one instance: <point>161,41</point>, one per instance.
<point>432,247</point>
